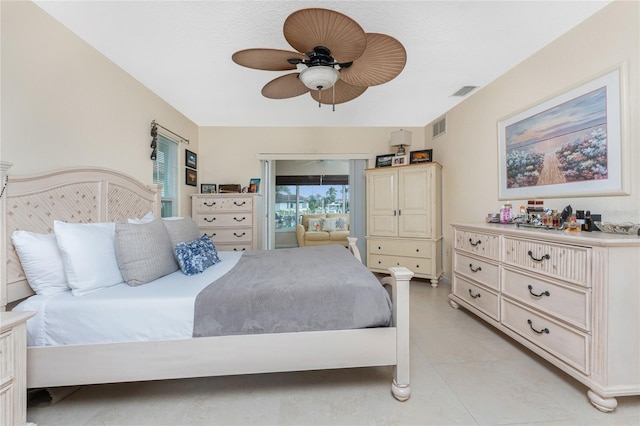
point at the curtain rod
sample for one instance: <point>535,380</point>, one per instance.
<point>183,139</point>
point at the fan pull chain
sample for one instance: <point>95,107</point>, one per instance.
<point>319,97</point>
<point>334,97</point>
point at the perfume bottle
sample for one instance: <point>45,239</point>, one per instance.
<point>505,213</point>
<point>587,222</point>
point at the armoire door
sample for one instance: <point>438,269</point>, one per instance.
<point>382,203</point>
<point>414,198</point>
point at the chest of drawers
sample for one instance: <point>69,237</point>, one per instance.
<point>13,367</point>
<point>572,299</point>
<point>230,220</point>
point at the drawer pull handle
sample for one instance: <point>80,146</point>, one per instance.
<point>235,249</point>
<point>474,296</point>
<point>213,203</point>
<point>544,293</point>
<point>417,250</point>
<point>239,220</point>
<point>239,204</point>
<point>379,248</point>
<point>546,256</point>
<point>478,269</point>
<point>211,235</point>
<point>544,330</point>
<point>241,235</point>
<point>379,262</point>
<point>477,243</point>
<point>209,220</point>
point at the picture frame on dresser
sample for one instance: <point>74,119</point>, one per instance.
<point>208,188</point>
<point>384,160</point>
<point>400,160</point>
<point>254,185</point>
<point>423,156</point>
<point>571,144</point>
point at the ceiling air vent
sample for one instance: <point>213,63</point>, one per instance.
<point>440,127</point>
<point>464,90</point>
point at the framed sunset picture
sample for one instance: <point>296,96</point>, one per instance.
<point>568,145</point>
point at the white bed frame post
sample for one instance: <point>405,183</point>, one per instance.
<point>4,168</point>
<point>399,280</point>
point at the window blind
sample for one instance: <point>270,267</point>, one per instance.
<point>165,173</point>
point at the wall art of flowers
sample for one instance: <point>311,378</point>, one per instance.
<point>565,143</point>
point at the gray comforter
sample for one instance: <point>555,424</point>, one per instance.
<point>288,290</point>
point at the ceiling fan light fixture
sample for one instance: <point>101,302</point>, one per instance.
<point>319,77</point>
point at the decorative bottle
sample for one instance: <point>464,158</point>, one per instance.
<point>505,213</point>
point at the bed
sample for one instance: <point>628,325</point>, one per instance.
<point>92,195</point>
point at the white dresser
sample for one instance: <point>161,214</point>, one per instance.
<point>230,220</point>
<point>573,299</point>
<point>13,367</point>
<point>403,219</point>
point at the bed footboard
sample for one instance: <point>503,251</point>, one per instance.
<point>399,282</point>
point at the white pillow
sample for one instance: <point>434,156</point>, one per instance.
<point>89,255</point>
<point>144,219</point>
<point>41,261</point>
<point>334,224</point>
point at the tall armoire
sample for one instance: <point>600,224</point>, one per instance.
<point>404,221</point>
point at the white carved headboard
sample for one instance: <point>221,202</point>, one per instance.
<point>79,195</point>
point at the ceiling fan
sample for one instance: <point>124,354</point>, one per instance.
<point>332,52</point>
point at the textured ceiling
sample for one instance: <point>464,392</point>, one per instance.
<point>182,52</point>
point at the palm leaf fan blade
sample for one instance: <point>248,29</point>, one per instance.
<point>286,86</point>
<point>267,59</point>
<point>382,61</point>
<point>309,28</point>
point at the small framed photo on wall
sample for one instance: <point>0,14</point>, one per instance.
<point>191,177</point>
<point>191,159</point>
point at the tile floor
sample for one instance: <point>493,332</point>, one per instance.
<point>463,373</point>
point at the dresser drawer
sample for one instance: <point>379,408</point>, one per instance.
<point>6,358</point>
<point>486,245</point>
<point>479,270</point>
<point>216,204</point>
<point>562,261</point>
<point>233,247</point>
<point>412,248</point>
<point>571,304</point>
<point>226,235</point>
<point>414,264</point>
<point>566,343</point>
<point>224,219</point>
<point>480,298</point>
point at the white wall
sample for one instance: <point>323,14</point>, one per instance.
<point>64,104</point>
<point>469,150</point>
<point>229,153</point>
